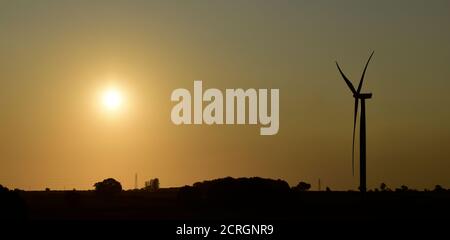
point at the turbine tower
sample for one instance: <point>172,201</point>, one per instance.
<point>362,125</point>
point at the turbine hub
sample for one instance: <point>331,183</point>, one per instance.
<point>363,95</point>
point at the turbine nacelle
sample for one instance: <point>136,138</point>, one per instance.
<point>362,95</point>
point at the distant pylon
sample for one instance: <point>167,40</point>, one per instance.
<point>320,186</point>
<point>135,181</point>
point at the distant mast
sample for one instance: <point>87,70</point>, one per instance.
<point>135,181</point>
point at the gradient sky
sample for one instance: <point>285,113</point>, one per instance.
<point>57,56</point>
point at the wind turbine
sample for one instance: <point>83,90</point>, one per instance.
<point>362,128</point>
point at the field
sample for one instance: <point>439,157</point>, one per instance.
<point>168,204</point>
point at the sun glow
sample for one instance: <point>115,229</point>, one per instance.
<point>112,99</point>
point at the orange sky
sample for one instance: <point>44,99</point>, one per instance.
<point>56,57</point>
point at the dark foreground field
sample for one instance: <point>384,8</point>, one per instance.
<point>170,204</point>
<point>227,202</point>
<point>307,205</point>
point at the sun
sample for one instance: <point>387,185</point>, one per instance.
<point>112,99</point>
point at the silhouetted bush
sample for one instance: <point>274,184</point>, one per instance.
<point>402,188</point>
<point>3,189</point>
<point>189,195</point>
<point>12,206</point>
<point>241,190</point>
<point>152,185</point>
<point>302,186</point>
<point>108,186</point>
<point>439,188</point>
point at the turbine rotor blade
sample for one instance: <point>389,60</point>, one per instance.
<point>349,84</point>
<point>353,140</point>
<point>364,73</point>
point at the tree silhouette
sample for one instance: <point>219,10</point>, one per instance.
<point>438,188</point>
<point>152,185</point>
<point>403,188</point>
<point>3,189</point>
<point>12,206</point>
<point>303,186</point>
<point>108,186</point>
<point>236,192</point>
